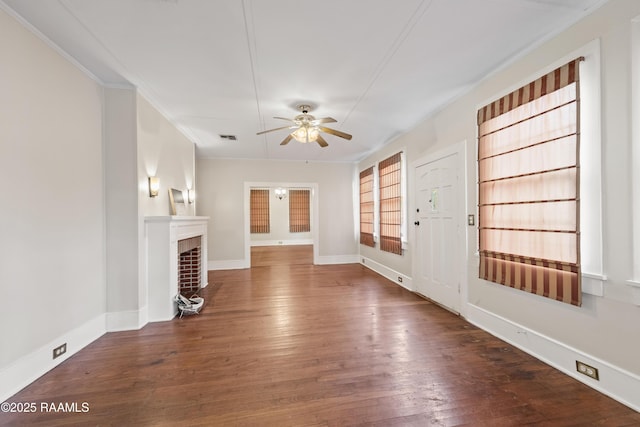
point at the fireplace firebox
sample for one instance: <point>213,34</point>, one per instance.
<point>176,261</point>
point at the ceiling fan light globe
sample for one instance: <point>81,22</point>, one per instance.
<point>306,134</point>
<point>312,134</point>
<point>300,134</point>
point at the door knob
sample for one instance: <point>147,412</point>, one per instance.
<point>417,223</point>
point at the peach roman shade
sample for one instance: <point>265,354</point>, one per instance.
<point>391,204</point>
<point>259,211</point>
<point>366,207</point>
<point>299,217</point>
<point>528,169</point>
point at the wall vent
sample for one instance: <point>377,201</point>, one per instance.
<point>229,137</point>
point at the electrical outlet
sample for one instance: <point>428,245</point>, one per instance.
<point>60,350</point>
<point>471,219</point>
<point>363,260</point>
<point>587,370</point>
<point>400,279</point>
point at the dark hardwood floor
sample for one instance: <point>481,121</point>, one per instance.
<point>304,345</point>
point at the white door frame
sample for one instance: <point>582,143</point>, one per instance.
<point>460,149</point>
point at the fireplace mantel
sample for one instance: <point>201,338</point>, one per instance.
<point>162,234</point>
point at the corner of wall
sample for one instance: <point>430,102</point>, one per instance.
<point>614,381</point>
<point>396,277</point>
<point>29,368</point>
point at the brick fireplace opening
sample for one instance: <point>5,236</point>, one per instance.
<point>189,265</point>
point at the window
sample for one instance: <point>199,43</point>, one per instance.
<point>528,170</point>
<point>299,219</point>
<point>259,211</point>
<point>366,207</point>
<point>390,171</point>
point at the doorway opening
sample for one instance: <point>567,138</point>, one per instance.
<point>281,225</point>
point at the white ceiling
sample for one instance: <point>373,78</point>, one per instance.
<point>228,66</point>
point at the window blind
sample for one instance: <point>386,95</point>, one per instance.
<point>528,169</point>
<point>299,218</point>
<point>259,211</point>
<point>391,204</point>
<point>366,207</point>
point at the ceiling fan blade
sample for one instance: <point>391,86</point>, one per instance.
<point>271,130</point>
<point>323,120</point>
<point>321,141</point>
<point>286,140</point>
<point>335,132</point>
<point>283,118</point>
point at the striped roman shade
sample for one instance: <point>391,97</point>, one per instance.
<point>528,169</point>
<point>259,211</point>
<point>299,218</point>
<point>366,207</point>
<point>391,204</point>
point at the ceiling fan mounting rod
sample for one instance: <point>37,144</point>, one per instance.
<point>304,108</point>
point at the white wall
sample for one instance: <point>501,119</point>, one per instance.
<point>74,157</point>
<point>604,331</point>
<point>139,142</point>
<point>221,194</point>
<point>165,152</point>
<point>604,326</point>
<point>635,163</point>
<point>52,244</point>
<point>121,197</point>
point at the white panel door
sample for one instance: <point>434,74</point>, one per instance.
<point>437,231</point>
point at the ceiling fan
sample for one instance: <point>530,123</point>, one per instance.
<point>308,128</point>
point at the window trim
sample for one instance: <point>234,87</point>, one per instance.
<point>404,238</point>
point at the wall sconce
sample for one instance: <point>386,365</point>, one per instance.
<point>281,193</point>
<point>191,196</point>
<point>154,186</point>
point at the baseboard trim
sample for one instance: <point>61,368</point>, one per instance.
<point>233,264</point>
<point>29,368</point>
<point>282,242</point>
<point>336,259</point>
<point>127,320</point>
<point>396,277</point>
<point>615,382</point>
